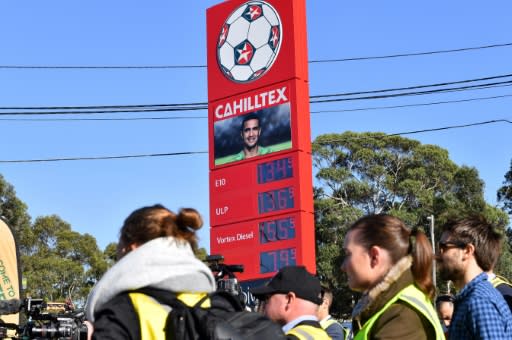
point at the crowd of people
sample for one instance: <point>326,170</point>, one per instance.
<point>386,262</point>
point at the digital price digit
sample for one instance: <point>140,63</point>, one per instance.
<point>275,200</point>
<point>272,261</point>
<point>275,170</point>
<point>277,230</point>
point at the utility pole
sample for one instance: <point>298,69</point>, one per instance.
<point>432,239</point>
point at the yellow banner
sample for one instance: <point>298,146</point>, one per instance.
<point>9,273</point>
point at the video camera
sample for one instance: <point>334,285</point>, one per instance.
<point>41,324</point>
<point>225,275</point>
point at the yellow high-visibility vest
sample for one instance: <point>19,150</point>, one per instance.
<point>416,299</point>
<point>152,315</point>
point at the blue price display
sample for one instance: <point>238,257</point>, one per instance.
<point>275,200</point>
<point>272,261</point>
<point>275,170</point>
<point>277,230</point>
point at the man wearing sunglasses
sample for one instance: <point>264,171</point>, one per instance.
<point>466,251</point>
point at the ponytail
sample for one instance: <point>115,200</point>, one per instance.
<point>423,257</point>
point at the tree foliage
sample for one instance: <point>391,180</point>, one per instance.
<point>15,213</point>
<point>61,262</point>
<point>56,261</point>
<point>371,173</point>
<point>505,192</point>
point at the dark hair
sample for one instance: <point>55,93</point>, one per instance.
<point>476,230</point>
<point>247,117</point>
<point>327,294</point>
<point>390,233</point>
<point>444,298</point>
<point>148,223</point>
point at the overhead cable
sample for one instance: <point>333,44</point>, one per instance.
<point>411,87</point>
<point>315,61</point>
<point>418,93</point>
<point>203,106</point>
<point>412,105</point>
<point>104,157</point>
<point>205,152</point>
<point>205,117</point>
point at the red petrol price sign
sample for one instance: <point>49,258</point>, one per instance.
<point>261,196</point>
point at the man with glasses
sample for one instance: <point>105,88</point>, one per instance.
<point>466,251</point>
<point>291,299</point>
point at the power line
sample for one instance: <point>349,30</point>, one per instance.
<point>316,61</point>
<point>412,54</point>
<point>203,106</point>
<point>412,105</point>
<point>412,87</point>
<point>81,112</point>
<point>418,93</point>
<point>205,152</point>
<point>103,157</point>
<point>453,127</point>
<point>205,117</point>
<point>99,119</point>
<point>141,106</point>
<point>494,121</point>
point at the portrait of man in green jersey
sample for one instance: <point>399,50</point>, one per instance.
<point>253,134</point>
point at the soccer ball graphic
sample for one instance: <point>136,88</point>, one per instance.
<point>249,41</point>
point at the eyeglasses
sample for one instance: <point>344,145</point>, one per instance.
<point>444,246</point>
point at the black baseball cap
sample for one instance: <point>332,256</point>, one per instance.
<point>292,279</point>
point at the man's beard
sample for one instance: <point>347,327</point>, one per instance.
<point>453,273</point>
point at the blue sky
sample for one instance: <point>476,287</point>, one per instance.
<point>96,196</point>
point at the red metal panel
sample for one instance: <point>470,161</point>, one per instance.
<point>236,195</point>
<point>268,238</point>
<point>261,208</point>
<point>291,61</point>
<point>225,119</point>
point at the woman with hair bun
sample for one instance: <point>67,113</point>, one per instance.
<point>155,251</point>
<point>391,265</point>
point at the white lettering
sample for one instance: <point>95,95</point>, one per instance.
<point>238,107</point>
<point>264,98</point>
<point>220,182</point>
<point>217,111</point>
<point>251,103</point>
<point>227,239</point>
<point>238,237</point>
<point>247,236</point>
<point>257,104</point>
<point>228,112</point>
<point>221,211</point>
<point>271,97</point>
<point>280,93</point>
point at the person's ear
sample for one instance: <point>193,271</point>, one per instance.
<point>290,298</point>
<point>375,256</point>
<point>469,250</point>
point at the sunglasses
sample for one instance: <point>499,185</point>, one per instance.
<point>444,246</point>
